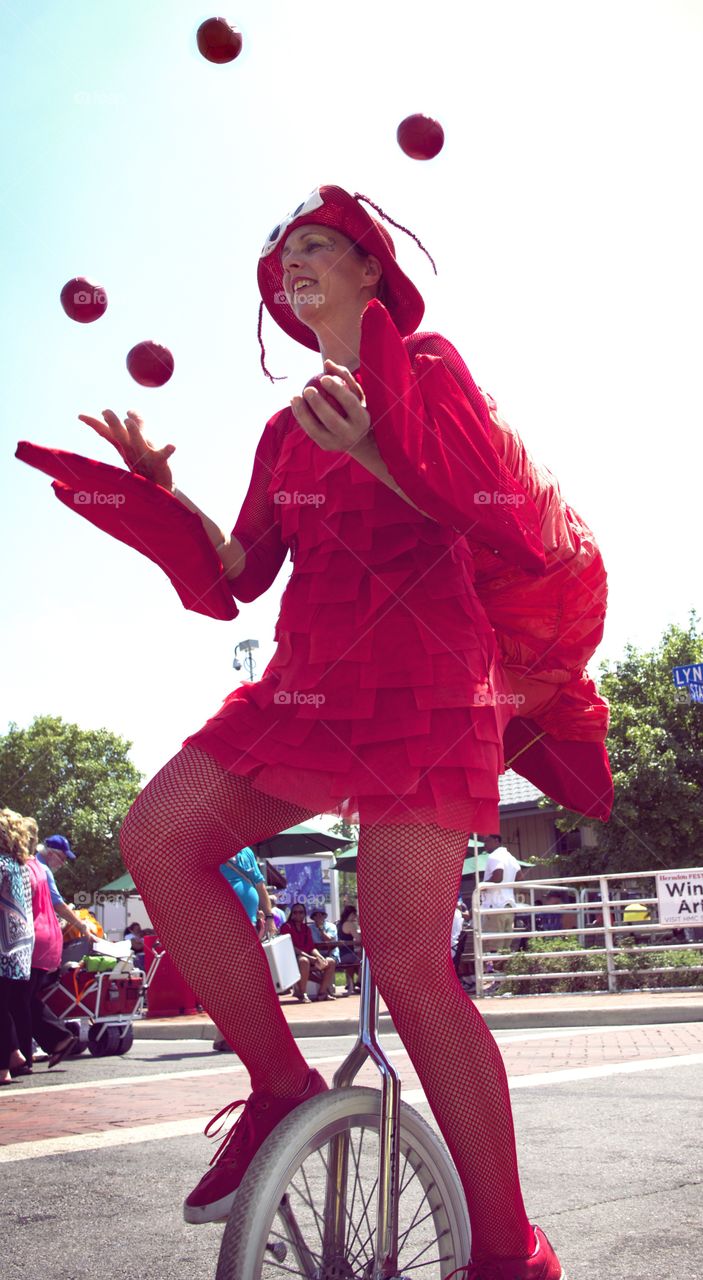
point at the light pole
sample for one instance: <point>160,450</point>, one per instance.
<point>246,650</point>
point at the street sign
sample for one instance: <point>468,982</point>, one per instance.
<point>695,691</point>
<point>692,674</point>
<point>680,897</point>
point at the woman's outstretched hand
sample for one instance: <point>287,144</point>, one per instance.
<point>324,424</point>
<point>135,450</point>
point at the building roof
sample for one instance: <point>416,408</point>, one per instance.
<point>517,790</point>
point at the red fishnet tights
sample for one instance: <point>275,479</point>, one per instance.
<point>190,818</point>
<point>450,1046</point>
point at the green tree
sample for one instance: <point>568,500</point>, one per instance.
<point>75,782</point>
<point>347,830</point>
<point>655,744</point>
<point>347,879</point>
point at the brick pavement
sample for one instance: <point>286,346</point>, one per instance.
<point>29,1117</point>
<point>559,1053</point>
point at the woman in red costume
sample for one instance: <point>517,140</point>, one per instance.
<point>441,589</point>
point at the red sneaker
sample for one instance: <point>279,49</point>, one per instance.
<point>213,1197</point>
<point>543,1264</point>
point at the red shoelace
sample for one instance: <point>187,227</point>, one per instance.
<point>243,1126</point>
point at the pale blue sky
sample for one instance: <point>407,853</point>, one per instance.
<point>564,214</point>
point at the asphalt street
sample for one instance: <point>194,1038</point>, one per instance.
<point>98,1154</point>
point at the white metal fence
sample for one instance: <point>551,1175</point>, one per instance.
<point>585,897</point>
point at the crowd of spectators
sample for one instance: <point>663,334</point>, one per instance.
<point>322,949</point>
<point>31,944</point>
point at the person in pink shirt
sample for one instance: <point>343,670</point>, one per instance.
<point>49,1032</point>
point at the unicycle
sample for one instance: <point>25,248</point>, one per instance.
<point>352,1185</point>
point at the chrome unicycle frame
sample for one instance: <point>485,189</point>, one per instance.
<point>368,1046</point>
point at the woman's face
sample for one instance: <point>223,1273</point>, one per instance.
<point>297,916</point>
<point>323,276</point>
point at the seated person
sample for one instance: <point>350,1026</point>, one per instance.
<point>457,925</point>
<point>324,935</point>
<point>136,937</point>
<point>279,916</point>
<point>310,960</point>
<point>349,936</point>
<point>555,919</point>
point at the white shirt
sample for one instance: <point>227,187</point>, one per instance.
<point>500,860</point>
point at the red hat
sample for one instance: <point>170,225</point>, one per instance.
<point>334,207</point>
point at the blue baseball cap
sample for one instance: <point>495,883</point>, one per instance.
<point>61,845</point>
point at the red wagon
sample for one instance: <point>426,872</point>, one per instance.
<point>100,1008</point>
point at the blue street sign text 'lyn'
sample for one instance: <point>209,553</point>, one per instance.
<point>692,674</point>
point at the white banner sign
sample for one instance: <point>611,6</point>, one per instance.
<point>680,895</point>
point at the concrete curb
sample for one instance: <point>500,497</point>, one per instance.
<point>500,1015</point>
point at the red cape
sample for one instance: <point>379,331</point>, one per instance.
<point>539,574</point>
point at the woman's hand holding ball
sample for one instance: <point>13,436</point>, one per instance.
<point>336,427</point>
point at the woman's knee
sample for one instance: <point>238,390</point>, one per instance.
<point>396,969</point>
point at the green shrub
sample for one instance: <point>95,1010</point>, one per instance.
<point>632,969</point>
<point>542,956</point>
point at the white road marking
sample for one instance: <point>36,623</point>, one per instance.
<point>113,1082</point>
<point>191,1074</point>
<point>606,1069</point>
<point>537,1078</point>
<point>99,1141</point>
<point>117,1137</point>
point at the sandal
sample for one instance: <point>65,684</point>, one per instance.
<point>61,1051</point>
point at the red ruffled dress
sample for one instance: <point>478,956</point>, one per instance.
<point>414,647</point>
<point>380,701</point>
<point>379,697</point>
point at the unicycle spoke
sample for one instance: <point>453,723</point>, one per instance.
<point>364,1220</point>
<point>308,1261</point>
<point>309,1201</point>
<point>415,1222</point>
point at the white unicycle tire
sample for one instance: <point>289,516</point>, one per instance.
<point>434,1236</point>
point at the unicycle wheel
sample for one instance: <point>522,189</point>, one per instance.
<point>277,1223</point>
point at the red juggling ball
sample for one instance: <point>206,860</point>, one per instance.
<point>326,395</point>
<point>218,41</point>
<point>82,300</point>
<point>420,137</point>
<point>150,365</point>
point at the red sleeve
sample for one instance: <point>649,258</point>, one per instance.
<point>145,517</point>
<point>285,928</point>
<point>435,344</point>
<point>437,448</point>
<point>257,527</point>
